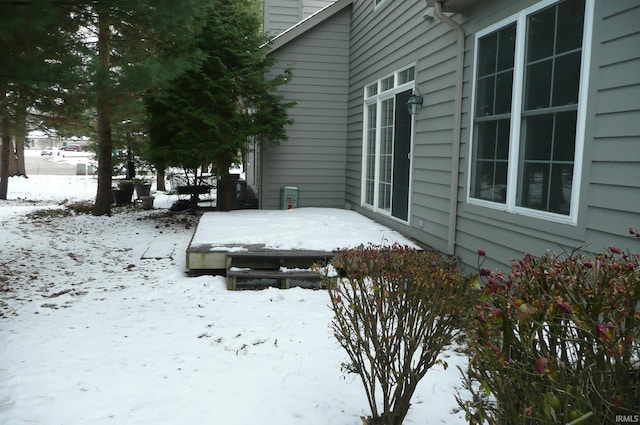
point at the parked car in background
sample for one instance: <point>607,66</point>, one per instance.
<point>71,148</point>
<point>46,151</point>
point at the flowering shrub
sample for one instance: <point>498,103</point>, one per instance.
<point>556,340</point>
<point>396,308</point>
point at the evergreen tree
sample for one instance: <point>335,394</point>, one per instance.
<point>139,45</point>
<point>37,71</point>
<point>124,48</point>
<point>209,114</point>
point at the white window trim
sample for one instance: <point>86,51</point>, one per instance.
<point>516,110</point>
<point>377,99</point>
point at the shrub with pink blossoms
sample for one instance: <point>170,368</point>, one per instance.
<point>556,340</point>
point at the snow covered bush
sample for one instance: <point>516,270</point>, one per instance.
<point>556,340</point>
<point>396,308</point>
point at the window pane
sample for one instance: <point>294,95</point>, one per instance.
<point>547,188</point>
<point>487,49</point>
<point>387,140</point>
<point>386,157</point>
<point>540,34</point>
<point>493,140</point>
<point>406,75</point>
<point>538,137</point>
<point>371,153</point>
<point>369,192</point>
<point>566,79</point>
<point>500,182</point>
<point>502,151</point>
<point>547,174</point>
<point>484,96</point>
<point>384,196</point>
<point>372,90</point>
<point>486,142</point>
<point>538,85</point>
<point>490,166</point>
<point>490,181</point>
<point>564,140</point>
<point>535,183</point>
<point>506,47</point>
<point>386,84</point>
<point>570,24</point>
<point>504,83</point>
<point>560,188</point>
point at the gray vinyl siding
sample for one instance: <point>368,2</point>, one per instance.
<point>384,40</point>
<point>309,7</point>
<point>313,159</point>
<point>613,200</point>
<point>280,15</point>
<point>610,182</point>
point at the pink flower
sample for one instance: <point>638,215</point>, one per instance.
<point>494,286</point>
<point>604,330</point>
<point>541,365</point>
<point>482,252</point>
<point>564,306</point>
<point>615,249</point>
<point>484,271</point>
<point>588,264</point>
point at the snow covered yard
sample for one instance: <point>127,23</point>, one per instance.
<point>92,333</point>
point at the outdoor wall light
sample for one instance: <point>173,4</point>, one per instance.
<point>414,103</point>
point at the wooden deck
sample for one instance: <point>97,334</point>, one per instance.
<point>278,247</point>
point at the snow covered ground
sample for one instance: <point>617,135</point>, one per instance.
<point>93,333</point>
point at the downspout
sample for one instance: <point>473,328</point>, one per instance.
<point>457,132</point>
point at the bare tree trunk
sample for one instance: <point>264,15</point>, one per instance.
<point>4,156</point>
<point>20,139</point>
<point>160,178</point>
<point>104,196</point>
<point>21,169</point>
<point>13,161</point>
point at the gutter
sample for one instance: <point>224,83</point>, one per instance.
<point>457,124</point>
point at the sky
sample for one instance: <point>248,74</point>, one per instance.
<point>99,323</point>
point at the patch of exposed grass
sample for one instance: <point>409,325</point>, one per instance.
<point>70,209</point>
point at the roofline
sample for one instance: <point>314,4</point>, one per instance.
<point>306,24</point>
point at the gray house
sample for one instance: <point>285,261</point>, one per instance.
<point>528,134</point>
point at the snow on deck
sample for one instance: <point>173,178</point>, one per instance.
<point>308,229</point>
<point>320,229</point>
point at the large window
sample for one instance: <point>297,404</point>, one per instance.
<point>387,144</point>
<point>526,145</point>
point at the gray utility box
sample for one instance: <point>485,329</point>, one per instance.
<point>289,198</point>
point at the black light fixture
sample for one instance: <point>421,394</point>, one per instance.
<point>414,102</point>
